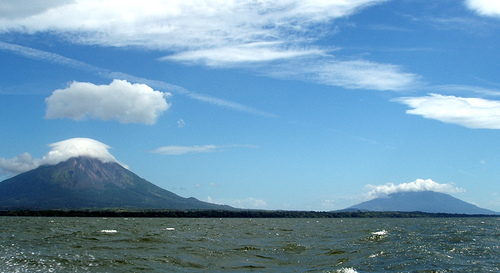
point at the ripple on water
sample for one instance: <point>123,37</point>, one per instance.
<point>215,245</point>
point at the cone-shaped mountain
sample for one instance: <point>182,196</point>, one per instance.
<point>87,183</point>
<point>425,201</point>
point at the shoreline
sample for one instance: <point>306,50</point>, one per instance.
<point>169,213</point>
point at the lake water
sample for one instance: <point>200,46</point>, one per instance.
<point>42,244</point>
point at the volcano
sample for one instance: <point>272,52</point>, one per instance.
<point>424,201</point>
<point>88,183</point>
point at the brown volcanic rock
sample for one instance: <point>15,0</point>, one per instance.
<point>88,183</point>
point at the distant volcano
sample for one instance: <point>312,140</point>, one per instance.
<point>88,183</point>
<point>424,201</point>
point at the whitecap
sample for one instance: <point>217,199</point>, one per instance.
<point>170,228</point>
<point>347,270</point>
<point>380,233</point>
<point>377,254</point>
<point>109,231</point>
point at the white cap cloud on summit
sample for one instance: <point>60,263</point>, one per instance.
<point>120,100</point>
<point>415,186</point>
<point>61,151</point>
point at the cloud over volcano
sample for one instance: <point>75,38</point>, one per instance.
<point>415,186</point>
<point>61,151</point>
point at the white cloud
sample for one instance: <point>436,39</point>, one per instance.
<point>24,8</point>
<point>227,56</point>
<point>61,151</point>
<point>468,88</point>
<point>219,33</point>
<point>469,112</point>
<point>365,75</point>
<point>484,7</point>
<point>357,74</point>
<point>415,186</point>
<point>120,100</point>
<point>74,147</point>
<point>248,203</point>
<point>181,123</point>
<point>19,164</point>
<point>36,54</point>
<point>181,25</point>
<point>180,150</point>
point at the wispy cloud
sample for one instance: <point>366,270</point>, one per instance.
<point>248,53</point>
<point>120,100</point>
<point>248,203</point>
<point>25,8</point>
<point>180,150</point>
<point>468,88</point>
<point>469,112</point>
<point>185,26</point>
<point>415,186</point>
<point>484,7</point>
<point>357,74</point>
<point>277,34</point>
<point>181,123</point>
<point>54,58</point>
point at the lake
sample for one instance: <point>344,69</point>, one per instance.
<point>71,244</point>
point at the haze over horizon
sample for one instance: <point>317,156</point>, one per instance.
<point>308,105</point>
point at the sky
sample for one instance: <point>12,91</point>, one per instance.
<point>292,105</point>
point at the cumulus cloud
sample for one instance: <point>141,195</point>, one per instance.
<point>61,151</point>
<point>19,164</point>
<point>120,100</point>
<point>484,7</point>
<point>469,112</point>
<point>415,186</point>
<point>218,33</point>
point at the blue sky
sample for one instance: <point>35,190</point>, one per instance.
<point>310,105</point>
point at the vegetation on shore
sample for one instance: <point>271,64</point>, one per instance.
<point>229,214</point>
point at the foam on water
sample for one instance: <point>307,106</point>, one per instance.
<point>109,231</point>
<point>347,270</point>
<point>380,233</point>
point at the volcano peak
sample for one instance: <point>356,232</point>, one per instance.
<point>86,182</point>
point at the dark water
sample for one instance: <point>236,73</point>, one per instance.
<point>37,244</point>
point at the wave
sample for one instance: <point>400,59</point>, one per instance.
<point>108,231</point>
<point>347,270</point>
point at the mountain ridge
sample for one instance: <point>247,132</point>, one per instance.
<point>84,182</point>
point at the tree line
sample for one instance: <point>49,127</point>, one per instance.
<point>228,214</point>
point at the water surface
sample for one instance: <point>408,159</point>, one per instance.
<point>45,244</point>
